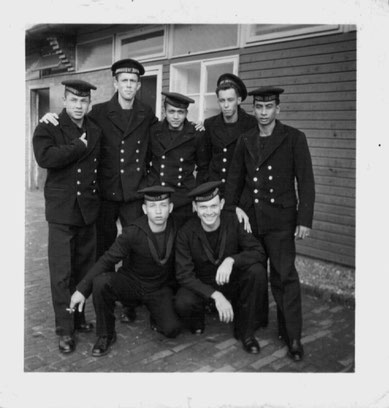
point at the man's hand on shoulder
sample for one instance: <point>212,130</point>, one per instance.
<point>49,118</point>
<point>223,306</point>
<point>242,216</point>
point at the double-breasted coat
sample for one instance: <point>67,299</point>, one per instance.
<point>72,206</point>
<point>220,141</point>
<point>71,183</point>
<point>123,148</point>
<point>196,264</point>
<point>173,162</point>
<point>265,179</point>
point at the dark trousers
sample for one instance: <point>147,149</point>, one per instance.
<point>110,212</point>
<point>72,252</point>
<point>246,292</point>
<point>284,281</point>
<point>113,286</point>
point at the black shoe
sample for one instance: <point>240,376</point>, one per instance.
<point>66,344</point>
<point>102,346</point>
<point>197,331</point>
<point>296,350</point>
<point>128,315</point>
<point>251,345</point>
<point>84,327</point>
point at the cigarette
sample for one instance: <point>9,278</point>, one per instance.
<point>68,309</point>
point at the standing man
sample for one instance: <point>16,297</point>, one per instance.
<point>222,130</point>
<point>146,248</point>
<point>70,153</point>
<point>216,259</point>
<point>267,163</point>
<point>176,151</point>
<point>125,123</point>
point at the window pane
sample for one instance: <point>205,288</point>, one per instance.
<point>193,109</point>
<point>211,106</point>
<point>186,79</point>
<point>142,45</point>
<point>192,38</point>
<point>94,54</point>
<point>263,29</point>
<point>214,71</point>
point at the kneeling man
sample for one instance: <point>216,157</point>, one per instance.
<point>147,250</point>
<point>217,259</point>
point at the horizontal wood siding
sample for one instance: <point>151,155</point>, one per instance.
<point>319,78</point>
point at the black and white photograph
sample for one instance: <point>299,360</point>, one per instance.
<point>202,217</point>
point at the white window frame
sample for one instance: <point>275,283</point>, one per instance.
<point>231,47</point>
<point>156,70</point>
<point>92,41</point>
<point>136,33</point>
<point>204,63</point>
<point>292,34</point>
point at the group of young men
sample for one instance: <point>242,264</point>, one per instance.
<point>202,212</point>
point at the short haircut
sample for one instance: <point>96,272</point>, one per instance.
<point>227,85</point>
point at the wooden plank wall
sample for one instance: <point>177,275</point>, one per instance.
<point>319,78</point>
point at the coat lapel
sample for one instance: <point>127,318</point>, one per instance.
<point>207,248</point>
<point>114,113</point>
<point>152,242</point>
<point>276,138</point>
<point>187,134</point>
<point>137,117</point>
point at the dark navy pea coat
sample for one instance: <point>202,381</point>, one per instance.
<point>123,149</point>
<point>71,183</point>
<point>173,162</point>
<point>265,180</point>
<point>221,143</point>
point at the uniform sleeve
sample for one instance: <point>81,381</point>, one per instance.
<point>118,251</point>
<point>236,177</point>
<point>202,158</point>
<point>251,250</point>
<point>185,268</point>
<point>49,154</point>
<point>305,181</point>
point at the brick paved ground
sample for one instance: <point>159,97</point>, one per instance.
<point>328,334</point>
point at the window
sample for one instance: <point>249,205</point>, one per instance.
<point>261,33</point>
<point>188,39</point>
<point>197,79</point>
<point>94,54</point>
<point>144,44</point>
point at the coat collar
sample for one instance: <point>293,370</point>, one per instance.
<point>162,135</point>
<point>92,130</point>
<point>220,133</point>
<point>199,231</point>
<point>115,115</point>
<point>143,224</point>
<point>251,140</point>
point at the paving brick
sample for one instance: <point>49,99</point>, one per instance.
<point>263,362</point>
<point>328,332</point>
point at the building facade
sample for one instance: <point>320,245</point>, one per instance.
<point>315,64</point>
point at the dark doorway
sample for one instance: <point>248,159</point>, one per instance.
<point>40,104</point>
<point>147,93</point>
